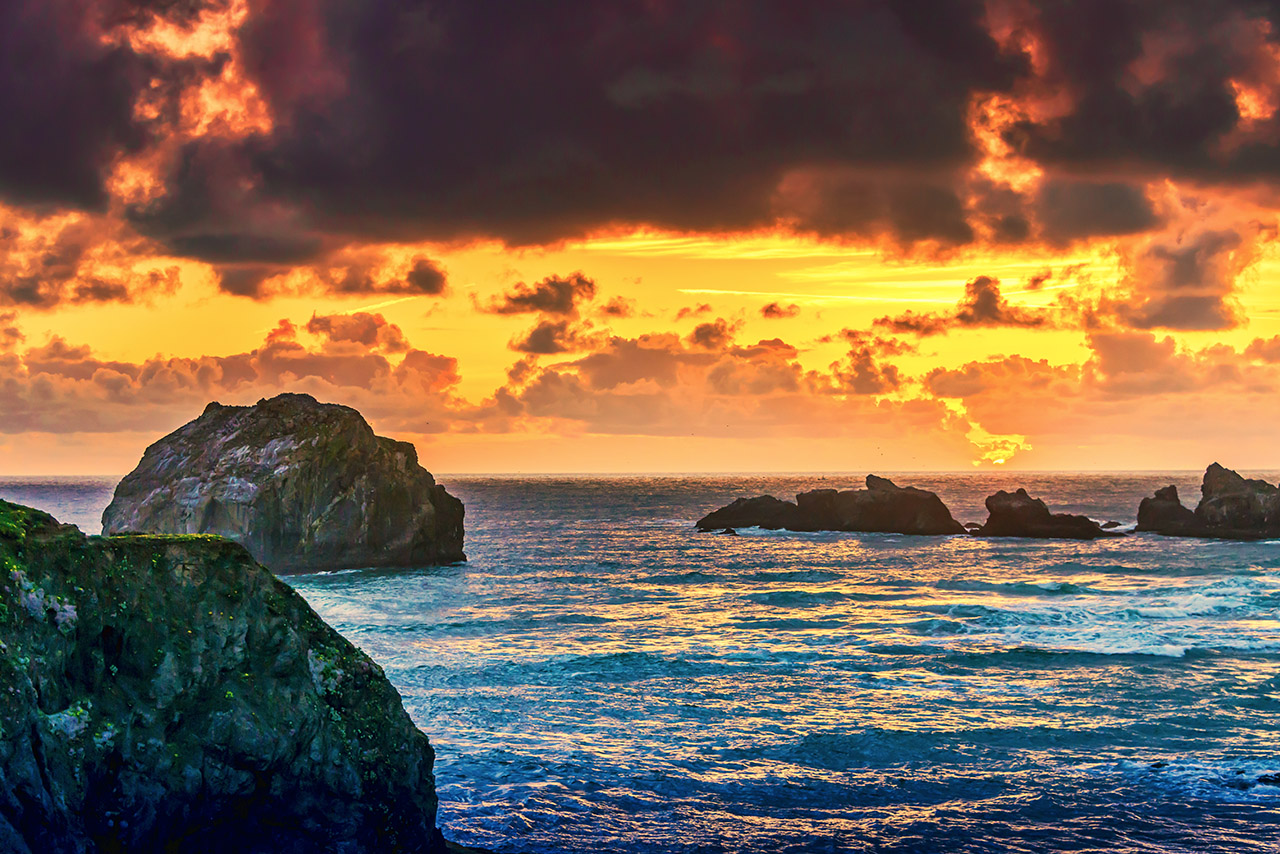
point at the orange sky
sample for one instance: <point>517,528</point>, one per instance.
<point>1026,294</point>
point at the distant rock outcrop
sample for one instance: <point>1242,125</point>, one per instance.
<point>1163,512</point>
<point>1231,507</point>
<point>1017,514</point>
<point>170,694</point>
<point>303,485</point>
<point>882,507</point>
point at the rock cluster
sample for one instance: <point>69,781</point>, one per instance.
<point>1231,507</point>
<point>1017,514</point>
<point>303,485</point>
<point>881,507</point>
<point>170,694</point>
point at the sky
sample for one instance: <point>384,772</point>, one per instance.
<point>648,236</point>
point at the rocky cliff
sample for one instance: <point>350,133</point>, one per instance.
<point>882,507</point>
<point>170,694</point>
<point>303,485</point>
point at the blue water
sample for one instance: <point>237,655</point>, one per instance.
<point>600,677</point>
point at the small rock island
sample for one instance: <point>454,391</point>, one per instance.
<point>1231,507</point>
<point>883,507</point>
<point>1017,514</point>
<point>303,485</point>
<point>167,693</point>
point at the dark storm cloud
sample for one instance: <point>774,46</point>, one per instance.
<point>536,121</point>
<point>66,100</point>
<point>1072,210</point>
<point>1152,85</point>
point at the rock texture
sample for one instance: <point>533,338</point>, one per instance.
<point>170,694</point>
<point>882,507</point>
<point>1231,507</point>
<point>1017,514</point>
<point>303,485</point>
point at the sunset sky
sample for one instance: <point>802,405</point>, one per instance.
<point>648,236</point>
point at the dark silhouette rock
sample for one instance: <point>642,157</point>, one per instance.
<point>1017,514</point>
<point>1108,525</point>
<point>882,507</point>
<point>731,532</point>
<point>763,511</point>
<point>1164,512</point>
<point>1234,506</point>
<point>303,485</point>
<point>167,693</point>
<point>1231,507</point>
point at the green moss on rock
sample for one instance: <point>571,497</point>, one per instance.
<point>194,703</point>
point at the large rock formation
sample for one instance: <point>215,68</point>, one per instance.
<point>882,507</point>
<point>1231,507</point>
<point>303,485</point>
<point>170,694</point>
<point>1017,514</point>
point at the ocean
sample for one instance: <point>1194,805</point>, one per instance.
<point>600,677</point>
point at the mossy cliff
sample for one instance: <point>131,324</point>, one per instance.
<point>167,693</point>
<point>303,485</point>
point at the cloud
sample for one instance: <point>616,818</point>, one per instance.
<point>982,306</point>
<point>1175,89</point>
<point>554,295</point>
<point>368,330</point>
<point>1070,210</point>
<point>1187,280</point>
<point>10,335</point>
<point>715,335</point>
<point>694,310</point>
<point>548,337</point>
<point>618,307</point>
<point>777,311</point>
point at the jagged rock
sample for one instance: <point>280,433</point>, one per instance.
<point>1231,507</point>
<point>1164,512</point>
<point>170,694</point>
<point>881,507</point>
<point>303,485</point>
<point>1017,514</point>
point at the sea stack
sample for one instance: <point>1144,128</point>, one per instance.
<point>170,694</point>
<point>303,485</point>
<point>1231,507</point>
<point>1017,514</point>
<point>883,507</point>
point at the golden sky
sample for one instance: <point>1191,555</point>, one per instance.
<point>742,237</point>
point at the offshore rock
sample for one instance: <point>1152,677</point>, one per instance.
<point>1164,512</point>
<point>1231,507</point>
<point>882,507</point>
<point>763,511</point>
<point>1017,514</point>
<point>303,485</point>
<point>170,694</point>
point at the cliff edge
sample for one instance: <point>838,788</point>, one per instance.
<point>168,693</point>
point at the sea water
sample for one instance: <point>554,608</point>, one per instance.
<point>601,677</point>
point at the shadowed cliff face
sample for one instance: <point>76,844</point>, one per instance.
<point>303,485</point>
<point>168,693</point>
